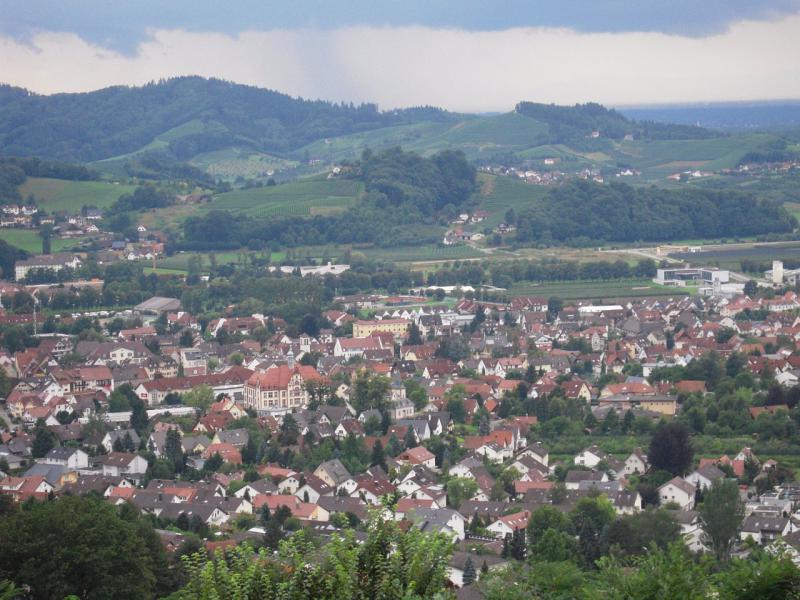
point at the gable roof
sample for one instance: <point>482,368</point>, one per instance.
<point>335,470</point>
<point>278,377</point>
<point>681,484</point>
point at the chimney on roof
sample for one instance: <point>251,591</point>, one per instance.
<point>290,359</point>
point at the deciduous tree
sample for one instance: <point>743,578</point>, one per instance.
<point>721,515</point>
<point>671,449</point>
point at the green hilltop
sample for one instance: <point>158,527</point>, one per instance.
<point>231,131</point>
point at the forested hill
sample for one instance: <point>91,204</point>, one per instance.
<point>583,213</point>
<point>406,197</point>
<point>575,125</point>
<point>182,118</point>
<point>214,114</point>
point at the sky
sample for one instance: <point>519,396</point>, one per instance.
<point>470,55</point>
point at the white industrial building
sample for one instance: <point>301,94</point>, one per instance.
<point>778,276</point>
<point>688,276</point>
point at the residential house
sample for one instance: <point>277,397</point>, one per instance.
<point>118,464</point>
<point>332,472</point>
<point>418,455</point>
<point>280,389</point>
<point>677,491</point>
<point>508,524</point>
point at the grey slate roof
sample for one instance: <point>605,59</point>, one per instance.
<point>336,470</point>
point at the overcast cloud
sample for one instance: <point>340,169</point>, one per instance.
<point>456,68</point>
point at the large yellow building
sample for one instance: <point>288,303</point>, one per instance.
<point>666,405</point>
<point>397,327</point>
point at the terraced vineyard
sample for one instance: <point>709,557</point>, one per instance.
<point>300,198</point>
<point>498,194</point>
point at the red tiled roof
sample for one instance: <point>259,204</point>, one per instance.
<point>691,386</point>
<point>277,378</point>
<point>417,455</point>
<point>517,520</point>
<point>232,375</point>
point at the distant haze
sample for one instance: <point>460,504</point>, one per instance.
<point>455,68</point>
<point>744,115</point>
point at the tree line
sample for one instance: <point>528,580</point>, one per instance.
<point>120,120</point>
<point>585,213</point>
<point>573,125</point>
<point>14,170</point>
<point>506,273</point>
<point>404,192</point>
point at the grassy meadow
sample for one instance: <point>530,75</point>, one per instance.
<point>30,240</point>
<point>54,195</point>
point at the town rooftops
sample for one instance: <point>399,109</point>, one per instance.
<point>278,378</point>
<point>159,304</point>
<point>47,260</point>
<point>764,523</point>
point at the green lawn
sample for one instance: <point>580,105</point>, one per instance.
<point>596,290</point>
<point>30,241</point>
<point>55,195</point>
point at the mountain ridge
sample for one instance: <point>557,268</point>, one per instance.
<point>189,116</point>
